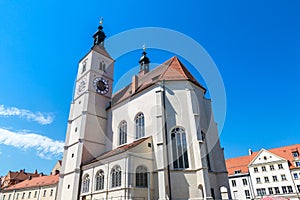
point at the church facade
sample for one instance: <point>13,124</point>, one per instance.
<point>154,139</point>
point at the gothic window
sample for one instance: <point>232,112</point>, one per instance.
<point>84,66</point>
<point>123,132</point>
<point>139,126</point>
<point>116,176</point>
<point>86,183</point>
<point>100,180</point>
<point>102,66</point>
<point>141,177</point>
<point>179,148</point>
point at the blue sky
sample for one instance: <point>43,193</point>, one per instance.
<point>255,45</point>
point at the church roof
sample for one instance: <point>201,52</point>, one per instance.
<point>120,149</point>
<point>242,163</point>
<point>35,182</point>
<point>170,70</point>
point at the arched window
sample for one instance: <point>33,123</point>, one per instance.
<point>141,177</point>
<point>179,148</point>
<point>123,132</point>
<point>86,183</point>
<point>100,180</point>
<point>116,176</point>
<point>139,126</point>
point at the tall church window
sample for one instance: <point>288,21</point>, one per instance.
<point>141,177</point>
<point>116,176</point>
<point>179,148</point>
<point>100,180</point>
<point>86,183</point>
<point>139,126</point>
<point>123,132</point>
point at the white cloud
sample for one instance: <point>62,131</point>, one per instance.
<point>41,118</point>
<point>44,146</point>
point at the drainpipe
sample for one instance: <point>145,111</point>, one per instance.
<point>166,137</point>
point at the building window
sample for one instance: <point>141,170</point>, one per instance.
<point>139,126</point>
<point>266,179</point>
<point>3,197</point>
<point>245,182</point>
<point>123,132</point>
<point>258,180</point>
<point>276,190</point>
<point>29,194</point>
<point>261,191</point>
<point>297,163</point>
<point>263,168</point>
<point>272,167</point>
<point>280,166</point>
<point>100,180</point>
<point>290,189</point>
<point>233,183</point>
<point>116,176</point>
<point>295,176</point>
<point>284,190</point>
<point>295,154</point>
<point>141,177</point>
<point>35,194</point>
<point>84,66</point>
<point>255,169</point>
<point>247,194</point>
<point>298,188</point>
<point>102,66</point>
<point>275,178</point>
<point>283,177</point>
<point>9,196</point>
<point>270,190</point>
<point>17,197</point>
<point>179,148</point>
<point>45,191</point>
<point>23,195</point>
<point>51,193</point>
<point>86,184</point>
<point>237,171</point>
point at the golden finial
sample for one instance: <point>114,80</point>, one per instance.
<point>101,21</point>
<point>144,47</point>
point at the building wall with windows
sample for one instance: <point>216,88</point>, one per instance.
<point>272,172</point>
<point>37,188</point>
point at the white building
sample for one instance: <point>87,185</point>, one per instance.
<point>154,139</point>
<point>274,172</point>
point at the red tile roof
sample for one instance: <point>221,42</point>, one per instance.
<point>120,149</point>
<point>241,163</point>
<point>170,70</point>
<point>35,182</point>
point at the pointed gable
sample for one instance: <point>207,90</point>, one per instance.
<point>264,156</point>
<point>170,70</point>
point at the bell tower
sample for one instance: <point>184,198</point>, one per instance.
<point>86,131</point>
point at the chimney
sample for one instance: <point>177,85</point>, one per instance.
<point>134,84</point>
<point>250,152</point>
<point>41,174</point>
<point>36,172</point>
<point>29,177</point>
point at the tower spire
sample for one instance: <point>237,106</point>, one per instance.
<point>144,61</point>
<point>99,36</point>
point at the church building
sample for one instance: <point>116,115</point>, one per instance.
<point>154,139</point>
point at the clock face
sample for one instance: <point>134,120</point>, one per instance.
<point>101,85</point>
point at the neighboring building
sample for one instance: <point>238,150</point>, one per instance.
<point>154,139</point>
<point>38,188</point>
<point>56,169</point>
<point>13,178</point>
<point>274,172</point>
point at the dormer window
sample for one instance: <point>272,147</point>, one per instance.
<point>297,163</point>
<point>295,154</point>
<point>237,171</point>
